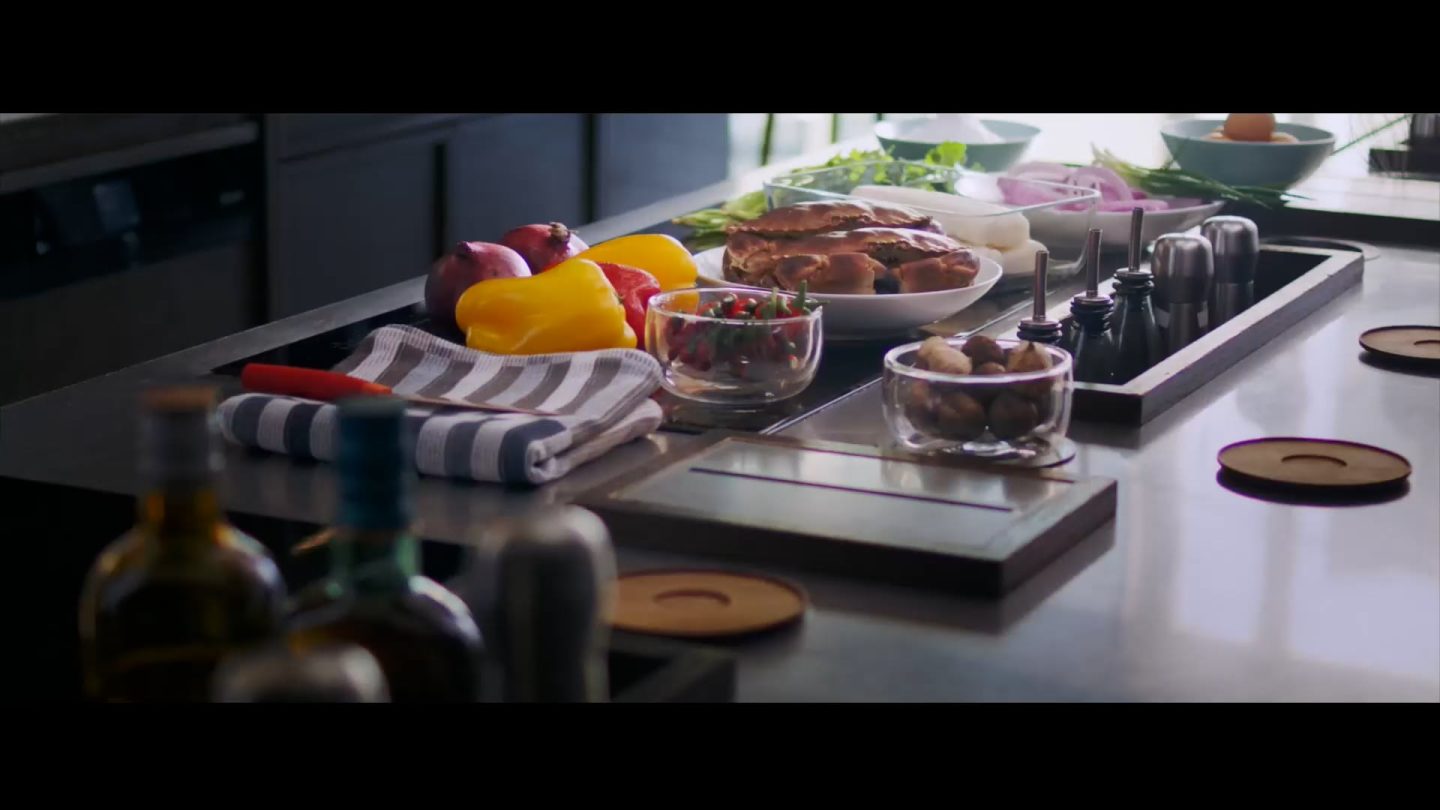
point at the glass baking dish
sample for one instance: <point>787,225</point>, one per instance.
<point>1058,226</point>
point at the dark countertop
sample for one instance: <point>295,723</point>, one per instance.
<point>1194,593</point>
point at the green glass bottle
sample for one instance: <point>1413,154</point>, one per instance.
<point>423,635</point>
<point>181,590</point>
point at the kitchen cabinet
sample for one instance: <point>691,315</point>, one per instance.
<point>352,221</point>
<point>96,325</point>
<point>506,171</point>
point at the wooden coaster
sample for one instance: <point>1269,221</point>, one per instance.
<point>1410,343</point>
<point>696,604</point>
<point>1314,463</point>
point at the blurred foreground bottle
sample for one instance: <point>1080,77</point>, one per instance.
<point>554,582</point>
<point>335,673</point>
<point>167,601</point>
<point>424,637</point>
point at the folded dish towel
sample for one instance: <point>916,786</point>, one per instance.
<point>601,398</point>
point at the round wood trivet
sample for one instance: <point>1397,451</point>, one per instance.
<point>1409,343</point>
<point>697,604</point>
<point>1314,463</point>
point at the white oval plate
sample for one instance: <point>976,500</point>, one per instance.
<point>851,317</point>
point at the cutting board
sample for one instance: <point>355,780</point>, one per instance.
<point>854,510</point>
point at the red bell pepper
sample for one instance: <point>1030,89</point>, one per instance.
<point>634,286</point>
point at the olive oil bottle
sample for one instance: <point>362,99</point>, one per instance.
<point>182,589</point>
<point>423,635</point>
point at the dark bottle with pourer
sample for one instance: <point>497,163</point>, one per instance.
<point>554,573</point>
<point>1094,349</point>
<point>1138,344</point>
<point>1038,328</point>
<point>1184,267</point>
<point>1236,245</point>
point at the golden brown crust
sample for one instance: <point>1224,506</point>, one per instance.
<point>812,218</point>
<point>751,259</point>
<point>840,274</point>
<point>948,272</point>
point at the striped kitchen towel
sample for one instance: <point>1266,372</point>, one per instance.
<point>601,398</point>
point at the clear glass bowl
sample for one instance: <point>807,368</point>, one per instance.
<point>998,416</point>
<point>731,361</point>
<point>1059,226</point>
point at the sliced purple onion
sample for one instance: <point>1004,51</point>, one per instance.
<point>1023,192</point>
<point>1036,170</point>
<point>1110,185</point>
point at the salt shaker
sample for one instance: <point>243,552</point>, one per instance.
<point>1038,328</point>
<point>554,575</point>
<point>1094,349</point>
<point>1184,268</point>
<point>1236,245</point>
<point>1138,344</point>
<point>330,673</point>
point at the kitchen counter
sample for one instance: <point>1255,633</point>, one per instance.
<point>1193,592</point>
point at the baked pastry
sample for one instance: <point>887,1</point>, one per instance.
<point>755,260</point>
<point>948,272</point>
<point>838,274</point>
<point>814,218</point>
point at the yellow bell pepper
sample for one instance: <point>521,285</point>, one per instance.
<point>569,308</point>
<point>661,256</point>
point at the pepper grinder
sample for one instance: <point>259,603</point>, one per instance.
<point>1038,328</point>
<point>1138,345</point>
<point>1094,348</point>
<point>1236,244</point>
<point>554,574</point>
<point>1184,267</point>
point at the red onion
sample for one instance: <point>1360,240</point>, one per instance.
<point>1110,185</point>
<point>544,246</point>
<point>468,264</point>
<point>1049,172</point>
<point>1023,192</point>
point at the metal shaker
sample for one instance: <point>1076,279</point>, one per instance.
<point>1184,267</point>
<point>330,673</point>
<point>554,573</point>
<point>1236,244</point>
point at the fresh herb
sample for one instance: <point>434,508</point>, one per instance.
<point>709,225</point>
<point>866,165</point>
<point>948,153</point>
<point>1171,182</point>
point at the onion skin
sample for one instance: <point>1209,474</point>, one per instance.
<point>544,246</point>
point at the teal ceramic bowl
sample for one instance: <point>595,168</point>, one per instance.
<point>988,157</point>
<point>1238,163</point>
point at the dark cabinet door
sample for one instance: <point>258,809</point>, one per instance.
<point>350,222</point>
<point>642,158</point>
<point>510,170</point>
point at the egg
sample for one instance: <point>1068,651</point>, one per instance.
<point>1250,126</point>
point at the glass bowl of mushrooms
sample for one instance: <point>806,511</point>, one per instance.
<point>979,397</point>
